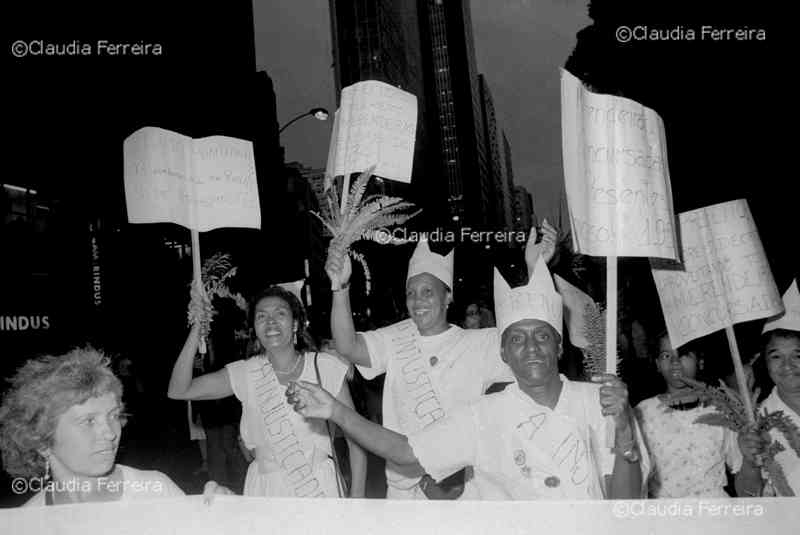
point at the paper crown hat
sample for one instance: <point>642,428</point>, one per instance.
<point>295,287</point>
<point>537,300</point>
<point>426,261</point>
<point>790,318</point>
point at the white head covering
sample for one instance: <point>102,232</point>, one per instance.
<point>425,261</point>
<point>537,300</point>
<point>790,317</point>
<point>295,287</point>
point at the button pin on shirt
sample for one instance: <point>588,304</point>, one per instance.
<point>434,360</point>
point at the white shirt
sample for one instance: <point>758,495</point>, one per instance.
<point>688,458</point>
<point>450,370</point>
<point>521,450</point>
<point>788,458</point>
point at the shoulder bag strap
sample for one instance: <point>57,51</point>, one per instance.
<point>339,480</point>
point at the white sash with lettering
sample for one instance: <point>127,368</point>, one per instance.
<point>554,455</point>
<point>293,450</point>
<point>418,403</point>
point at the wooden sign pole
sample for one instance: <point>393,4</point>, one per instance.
<point>197,276</point>
<point>741,380</point>
<point>611,334</point>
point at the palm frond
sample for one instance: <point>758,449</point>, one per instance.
<point>361,216</point>
<point>358,190</point>
<point>594,355</point>
<point>215,273</point>
<point>730,412</point>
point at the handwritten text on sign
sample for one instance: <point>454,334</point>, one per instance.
<point>375,124</point>
<point>202,183</point>
<point>726,277</point>
<point>616,175</point>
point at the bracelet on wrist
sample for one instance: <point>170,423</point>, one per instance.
<point>344,286</point>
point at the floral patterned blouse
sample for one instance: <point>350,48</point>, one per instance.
<point>688,458</point>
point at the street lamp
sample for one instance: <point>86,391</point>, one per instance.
<point>320,114</point>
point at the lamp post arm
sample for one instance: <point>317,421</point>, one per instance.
<point>293,121</point>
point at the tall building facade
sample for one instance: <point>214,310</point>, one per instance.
<point>524,217</point>
<point>508,185</point>
<point>425,47</point>
<point>379,40</point>
<point>496,176</point>
<point>456,103</point>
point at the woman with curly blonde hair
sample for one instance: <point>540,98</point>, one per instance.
<point>60,427</point>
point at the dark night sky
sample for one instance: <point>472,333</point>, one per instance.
<point>519,44</point>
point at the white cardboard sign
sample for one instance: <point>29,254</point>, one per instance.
<point>202,184</point>
<point>616,175</point>
<point>376,123</point>
<point>726,278</point>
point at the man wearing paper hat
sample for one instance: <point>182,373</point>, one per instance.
<point>541,438</point>
<point>431,366</point>
<point>782,357</point>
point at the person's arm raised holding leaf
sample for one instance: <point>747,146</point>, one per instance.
<point>349,343</point>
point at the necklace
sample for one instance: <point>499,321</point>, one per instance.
<point>294,368</point>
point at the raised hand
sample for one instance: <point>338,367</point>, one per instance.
<point>310,400</point>
<point>200,310</point>
<point>614,400</point>
<point>337,266</point>
<point>546,248</point>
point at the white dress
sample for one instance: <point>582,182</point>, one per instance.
<point>293,455</point>
<point>688,459</point>
<point>427,377</point>
<point>521,450</point>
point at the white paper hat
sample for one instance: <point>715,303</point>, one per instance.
<point>790,318</point>
<point>537,300</point>
<point>426,261</point>
<point>295,287</point>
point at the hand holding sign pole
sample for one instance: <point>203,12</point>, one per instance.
<point>201,184</point>
<point>617,185</point>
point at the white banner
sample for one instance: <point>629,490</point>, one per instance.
<point>202,184</point>
<point>725,278</point>
<point>233,515</point>
<point>616,175</point>
<point>376,123</point>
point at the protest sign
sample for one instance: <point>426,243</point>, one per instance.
<point>616,175</point>
<point>375,124</point>
<point>201,184</point>
<point>726,278</point>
